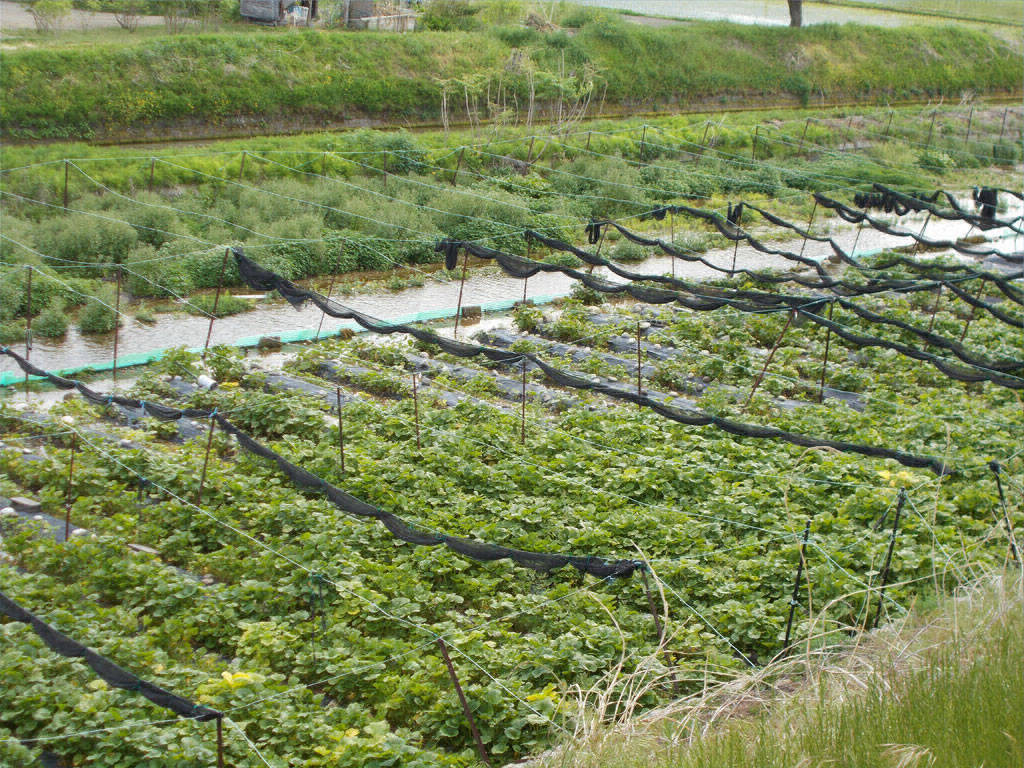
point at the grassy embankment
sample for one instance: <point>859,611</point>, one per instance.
<point>268,81</point>
<point>942,688</point>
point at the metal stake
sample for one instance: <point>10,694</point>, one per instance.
<point>994,466</point>
<point>206,459</point>
<point>700,154</point>
<point>970,119</point>
<point>465,705</point>
<point>639,388</point>
<point>152,168</point>
<point>931,129</point>
<point>220,741</point>
<point>796,586</point>
<point>849,126</point>
<point>803,135</point>
<point>462,285</point>
<point>341,432</point>
<point>810,221</point>
<point>753,145</point>
<point>416,409</point>
<point>1002,128</point>
<point>888,555</point>
<point>117,323</point>
<point>654,613</point>
<point>824,362</point>
<point>757,381</point>
<point>935,308</point>
<point>216,301</point>
<point>241,171</point>
<point>889,125</point>
<point>643,144</point>
<point>71,476</point>
<point>588,140</point>
<point>323,313</point>
<point>65,186</point>
<point>458,165</point>
<point>672,239</point>
<point>28,326</point>
<point>522,412</point>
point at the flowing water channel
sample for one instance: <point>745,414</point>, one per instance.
<point>438,297</point>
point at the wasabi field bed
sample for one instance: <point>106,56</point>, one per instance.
<point>315,631</point>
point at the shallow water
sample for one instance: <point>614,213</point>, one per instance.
<point>270,319</point>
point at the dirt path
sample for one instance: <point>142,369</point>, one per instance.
<point>15,17</point>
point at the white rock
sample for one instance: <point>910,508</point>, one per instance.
<point>8,512</point>
<point>205,382</point>
<point>79,532</point>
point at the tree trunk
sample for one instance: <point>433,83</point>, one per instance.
<point>796,13</point>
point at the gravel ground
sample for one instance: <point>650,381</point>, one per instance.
<point>14,16</point>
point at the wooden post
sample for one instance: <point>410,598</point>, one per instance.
<point>206,458</point>
<point>803,135</point>
<point>152,168</point>
<point>888,125</point>
<point>462,285</point>
<point>1002,128</point>
<point>68,500</point>
<point>970,119</point>
<point>341,431</point>
<point>888,556</point>
<point>793,603</point>
<point>65,186</point>
<point>753,145</point>
<point>216,301</point>
<point>810,221</point>
<point>458,165</point>
<point>775,347</point>
<point>931,129</point>
<point>465,705</point>
<point>28,326</point>
<point>935,308</point>
<point>416,409</point>
<point>241,170</point>
<point>643,144</point>
<point>824,361</point>
<point>522,413</point>
<point>735,252</point>
<point>220,741</point>
<point>994,466</point>
<point>117,323</point>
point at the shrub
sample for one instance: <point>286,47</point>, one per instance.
<point>96,317</point>
<point>449,15</point>
<point>52,322</point>
<point>629,252</point>
<point>226,305</point>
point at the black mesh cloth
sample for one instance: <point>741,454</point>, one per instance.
<point>261,277</point>
<point>306,480</point>
<point>115,676</point>
<point>751,301</point>
<point>987,199</point>
<point>958,212</point>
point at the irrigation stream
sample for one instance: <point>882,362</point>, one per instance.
<point>275,318</point>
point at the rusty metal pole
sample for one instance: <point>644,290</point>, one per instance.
<point>341,431</point>
<point>753,145</point>
<point>700,154</point>
<point>465,705</point>
<point>935,308</point>
<point>71,478</point>
<point>810,221</point>
<point>803,135</point>
<point>458,166</point>
<point>672,238</point>
<point>220,741</point>
<point>462,285</point>
<point>639,363</point>
<point>588,141</point>
<point>970,119</point>
<point>416,409</point>
<point>931,130</point>
<point>241,170</point>
<point>824,362</point>
<point>117,323</point>
<point>775,347</point>
<point>65,186</point>
<point>216,301</point>
<point>152,168</point>
<point>654,612</point>
<point>974,309</point>
<point>1002,128</point>
<point>323,313</point>
<point>643,145</point>
<point>849,127</point>
<point>888,125</point>
<point>994,466</point>
<point>206,458</point>
<point>522,412</point>
<point>28,326</point>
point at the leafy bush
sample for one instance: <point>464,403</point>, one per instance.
<point>226,305</point>
<point>630,252</point>
<point>450,15</point>
<point>52,321</point>
<point>96,317</point>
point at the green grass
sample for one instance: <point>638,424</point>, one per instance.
<point>991,11</point>
<point>264,81</point>
<point>942,690</point>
